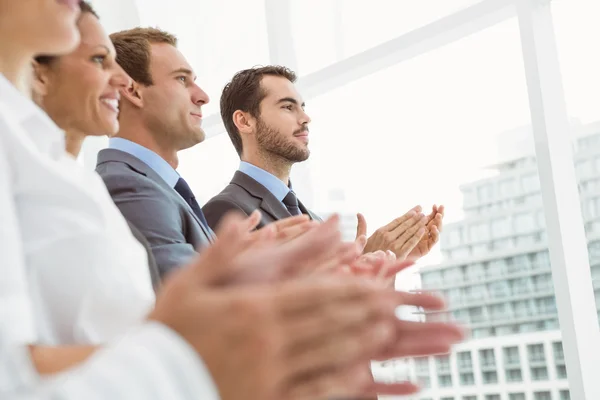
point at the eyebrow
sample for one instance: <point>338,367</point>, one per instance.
<point>290,100</point>
<point>185,71</point>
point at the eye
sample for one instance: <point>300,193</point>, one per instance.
<point>288,107</point>
<point>182,78</point>
<point>99,59</point>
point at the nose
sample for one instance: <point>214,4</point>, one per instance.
<point>120,79</point>
<point>304,118</point>
<point>199,96</point>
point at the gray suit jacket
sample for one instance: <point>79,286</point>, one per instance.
<point>166,220</point>
<point>244,194</point>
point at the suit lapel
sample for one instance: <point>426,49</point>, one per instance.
<point>269,203</point>
<point>108,155</point>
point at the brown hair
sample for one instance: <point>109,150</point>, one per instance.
<point>85,8</point>
<point>245,93</point>
<point>133,50</point>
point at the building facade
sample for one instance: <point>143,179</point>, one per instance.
<point>496,276</point>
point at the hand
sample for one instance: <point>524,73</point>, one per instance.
<point>379,267</point>
<point>264,258</point>
<point>432,236</point>
<point>400,236</point>
<point>282,230</point>
<point>298,340</point>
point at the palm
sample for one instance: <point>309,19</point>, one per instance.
<point>431,237</point>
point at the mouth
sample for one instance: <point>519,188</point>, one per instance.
<point>197,117</point>
<point>303,136</point>
<point>111,104</point>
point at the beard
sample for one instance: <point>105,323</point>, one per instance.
<point>274,142</point>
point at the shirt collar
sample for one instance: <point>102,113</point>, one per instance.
<point>268,180</point>
<point>150,158</point>
<point>44,133</point>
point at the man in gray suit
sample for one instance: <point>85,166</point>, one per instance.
<point>160,114</point>
<point>264,115</point>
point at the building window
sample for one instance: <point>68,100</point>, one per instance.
<point>514,375</point>
<point>492,397</point>
<point>467,379</point>
<point>520,286</point>
<point>453,275</point>
<point>561,372</point>
<point>464,360</point>
<point>469,397</point>
<point>487,358</point>
<point>422,365</point>
<point>511,356</point>
<point>445,380</point>
<point>536,353</point>
<point>500,227</point>
<point>565,395</point>
<point>546,305</point>
<point>559,355</point>
<point>476,314</point>
<point>524,222</point>
<point>442,364</point>
<point>424,382</point>
<point>499,289</point>
<point>516,396</point>
<point>539,374</point>
<point>543,283</point>
<point>542,396</point>
<point>479,232</point>
<point>522,309</point>
<point>490,377</point>
<point>447,398</point>
<point>484,193</point>
<point>499,311</point>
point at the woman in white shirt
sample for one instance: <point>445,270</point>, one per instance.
<point>87,273</point>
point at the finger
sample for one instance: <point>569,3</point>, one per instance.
<point>414,222</point>
<point>435,235</point>
<point>391,269</point>
<point>394,389</point>
<point>425,300</point>
<point>411,241</point>
<point>342,349</point>
<point>292,232</point>
<point>253,220</point>
<point>361,227</point>
<point>291,221</point>
<point>362,242</point>
<point>401,220</point>
<point>348,383</point>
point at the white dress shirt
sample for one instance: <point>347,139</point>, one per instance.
<point>150,363</point>
<point>62,239</point>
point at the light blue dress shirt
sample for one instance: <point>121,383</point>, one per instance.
<point>150,158</point>
<point>268,180</point>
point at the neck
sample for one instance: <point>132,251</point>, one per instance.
<point>16,67</point>
<point>74,142</point>
<point>274,165</point>
<point>140,134</point>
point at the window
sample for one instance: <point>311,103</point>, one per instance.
<point>536,353</point>
<point>499,311</point>
<point>524,222</point>
<point>424,382</point>
<point>511,356</point>
<point>485,193</point>
<point>432,279</point>
<point>445,380</point>
<point>561,372</point>
<point>464,360</point>
<point>479,232</point>
<point>499,289</point>
<point>475,272</point>
<point>442,364</point>
<point>514,375</point>
<point>492,397</point>
<point>542,396</point>
<point>516,396</point>
<point>453,275</point>
<point>490,377</point>
<point>447,398</point>
<point>520,286</point>
<point>422,365</point>
<point>476,314</point>
<point>539,374</point>
<point>501,227</point>
<point>496,267</point>
<point>467,379</point>
<point>455,237</point>
<point>542,283</point>
<point>546,305</point>
<point>565,395</point>
<point>469,398</point>
<point>507,187</point>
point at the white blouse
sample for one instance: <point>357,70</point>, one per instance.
<point>67,256</point>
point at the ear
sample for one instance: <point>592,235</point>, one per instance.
<point>244,122</point>
<point>133,94</point>
<point>40,79</point>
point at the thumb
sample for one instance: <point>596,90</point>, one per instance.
<point>361,227</point>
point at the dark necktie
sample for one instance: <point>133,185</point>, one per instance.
<point>184,190</point>
<point>291,203</point>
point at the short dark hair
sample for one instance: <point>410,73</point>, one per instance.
<point>133,50</point>
<point>245,93</point>
<point>85,8</point>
